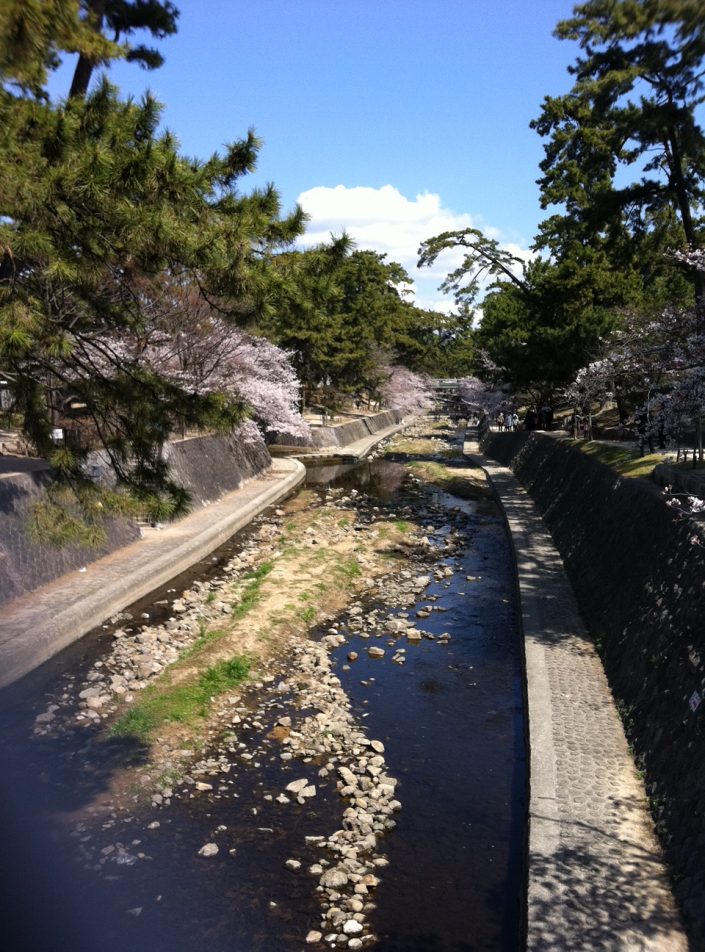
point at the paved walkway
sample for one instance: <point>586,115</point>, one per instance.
<point>596,876</point>
<point>37,626</point>
<point>12,465</point>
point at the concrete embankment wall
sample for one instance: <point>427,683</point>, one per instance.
<point>208,466</point>
<point>637,567</point>
<point>26,564</point>
<point>346,433</point>
<point>211,466</point>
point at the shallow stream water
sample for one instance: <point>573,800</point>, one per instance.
<point>451,721</point>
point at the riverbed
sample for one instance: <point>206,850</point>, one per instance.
<point>436,710</point>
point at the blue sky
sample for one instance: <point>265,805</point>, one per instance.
<point>396,119</point>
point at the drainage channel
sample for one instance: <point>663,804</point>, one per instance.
<point>445,707</point>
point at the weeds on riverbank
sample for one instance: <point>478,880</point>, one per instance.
<point>163,703</point>
<point>252,592</point>
<point>205,637</point>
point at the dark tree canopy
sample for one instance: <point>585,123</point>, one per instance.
<point>123,18</point>
<point>637,85</point>
<point>343,314</point>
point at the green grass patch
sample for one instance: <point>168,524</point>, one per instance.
<point>402,526</point>
<point>624,460</point>
<point>206,636</point>
<point>251,594</point>
<point>348,568</point>
<point>184,703</point>
<point>308,614</point>
<point>262,571</point>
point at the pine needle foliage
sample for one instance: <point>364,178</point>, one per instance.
<point>99,210</point>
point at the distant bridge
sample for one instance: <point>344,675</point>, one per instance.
<point>446,386</point>
<point>446,391</point>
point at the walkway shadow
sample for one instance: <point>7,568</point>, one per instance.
<point>601,891</point>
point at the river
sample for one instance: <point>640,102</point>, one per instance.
<point>451,721</point>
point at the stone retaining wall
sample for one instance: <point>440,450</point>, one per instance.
<point>25,564</point>
<point>208,466</point>
<point>345,433</point>
<point>211,466</point>
<point>380,421</point>
<point>637,567</point>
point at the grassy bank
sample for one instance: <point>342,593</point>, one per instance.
<point>166,702</point>
<point>624,460</point>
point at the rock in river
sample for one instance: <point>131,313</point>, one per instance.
<point>210,849</point>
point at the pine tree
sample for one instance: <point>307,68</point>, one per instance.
<point>633,105</point>
<point>96,208</point>
<point>35,33</point>
<point>123,18</point>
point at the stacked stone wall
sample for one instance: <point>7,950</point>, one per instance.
<point>380,421</point>
<point>638,570</point>
<point>211,466</point>
<point>340,435</point>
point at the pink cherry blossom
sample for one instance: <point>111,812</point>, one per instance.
<point>406,390</point>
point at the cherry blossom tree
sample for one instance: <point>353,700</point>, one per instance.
<point>405,390</point>
<point>482,396</point>
<point>661,359</point>
<point>210,359</point>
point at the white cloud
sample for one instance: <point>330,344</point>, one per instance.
<point>386,221</point>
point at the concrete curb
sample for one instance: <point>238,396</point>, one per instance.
<point>595,873</point>
<point>37,626</point>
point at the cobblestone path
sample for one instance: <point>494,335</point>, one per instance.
<point>596,876</point>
